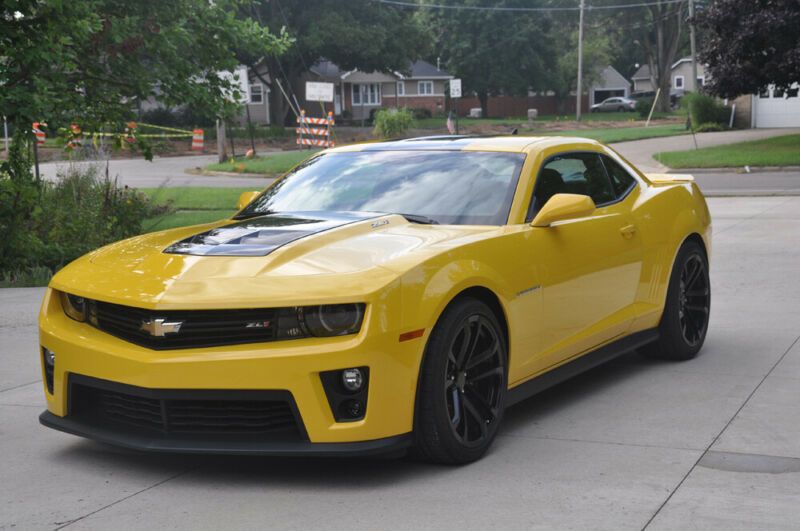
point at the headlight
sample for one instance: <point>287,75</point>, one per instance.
<point>74,306</point>
<point>332,319</point>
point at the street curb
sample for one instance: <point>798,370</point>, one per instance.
<point>737,169</point>
<point>752,193</point>
<point>207,173</point>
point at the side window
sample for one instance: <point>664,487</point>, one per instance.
<point>574,173</point>
<point>621,180</point>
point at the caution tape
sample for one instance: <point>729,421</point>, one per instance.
<point>165,128</point>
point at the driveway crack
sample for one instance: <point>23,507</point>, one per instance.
<point>708,448</point>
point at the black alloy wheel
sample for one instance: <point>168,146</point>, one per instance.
<point>473,383</point>
<point>684,322</point>
<point>462,385</point>
<point>694,300</point>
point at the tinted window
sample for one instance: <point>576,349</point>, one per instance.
<point>621,180</point>
<point>576,173</point>
<point>452,187</point>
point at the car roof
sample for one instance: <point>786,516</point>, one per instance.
<point>503,143</point>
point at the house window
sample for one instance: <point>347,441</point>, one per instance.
<point>701,81</point>
<point>367,94</point>
<point>401,88</point>
<point>257,93</point>
<point>677,82</point>
<point>425,88</point>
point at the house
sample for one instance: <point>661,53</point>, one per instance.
<point>681,74</point>
<point>357,93</point>
<point>610,84</point>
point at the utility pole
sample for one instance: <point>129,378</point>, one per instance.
<point>693,47</point>
<point>580,64</point>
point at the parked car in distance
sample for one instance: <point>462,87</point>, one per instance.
<point>617,104</point>
<point>377,297</point>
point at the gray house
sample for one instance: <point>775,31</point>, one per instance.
<point>681,74</point>
<point>609,84</point>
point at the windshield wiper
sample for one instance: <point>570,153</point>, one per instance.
<point>248,215</point>
<point>417,218</point>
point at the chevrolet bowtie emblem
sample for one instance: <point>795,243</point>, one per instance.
<point>161,327</point>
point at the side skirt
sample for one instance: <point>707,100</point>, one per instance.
<point>581,364</point>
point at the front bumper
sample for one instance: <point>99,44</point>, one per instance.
<point>291,367</point>
<point>199,445</point>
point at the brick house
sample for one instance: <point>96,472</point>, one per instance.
<point>357,93</point>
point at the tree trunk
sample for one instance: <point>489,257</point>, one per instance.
<point>661,46</point>
<point>483,98</point>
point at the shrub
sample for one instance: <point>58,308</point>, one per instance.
<point>392,123</point>
<point>709,127</point>
<point>704,110</point>
<point>420,113</point>
<point>82,210</point>
<point>643,107</point>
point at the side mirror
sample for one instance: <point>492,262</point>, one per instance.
<point>563,206</point>
<point>245,199</point>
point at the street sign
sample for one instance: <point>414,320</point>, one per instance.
<point>316,91</point>
<point>455,88</point>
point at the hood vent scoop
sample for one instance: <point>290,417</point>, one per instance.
<point>262,235</point>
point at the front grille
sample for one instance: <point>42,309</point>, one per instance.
<point>198,328</point>
<point>174,412</point>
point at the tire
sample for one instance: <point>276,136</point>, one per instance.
<point>684,323</point>
<point>458,414</point>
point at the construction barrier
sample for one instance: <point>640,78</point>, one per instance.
<point>75,137</point>
<point>315,136</point>
<point>40,135</point>
<point>197,139</point>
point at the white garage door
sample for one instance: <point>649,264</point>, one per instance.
<point>777,108</point>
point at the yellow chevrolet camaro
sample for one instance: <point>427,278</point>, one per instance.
<point>379,297</point>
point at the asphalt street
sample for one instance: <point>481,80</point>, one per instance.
<point>712,443</point>
<point>172,171</point>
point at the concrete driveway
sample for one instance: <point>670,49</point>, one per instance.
<point>712,443</point>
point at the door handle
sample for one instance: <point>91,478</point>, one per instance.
<point>628,231</point>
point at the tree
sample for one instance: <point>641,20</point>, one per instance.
<point>564,78</point>
<point>750,44</point>
<point>89,61</point>
<point>661,38</point>
<point>493,52</point>
<point>92,59</point>
<point>656,29</point>
<point>353,34</point>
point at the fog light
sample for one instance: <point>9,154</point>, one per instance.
<point>352,379</point>
<point>49,361</point>
<point>49,357</point>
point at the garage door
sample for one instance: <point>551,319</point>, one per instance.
<point>777,108</point>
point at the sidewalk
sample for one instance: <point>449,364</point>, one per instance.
<point>640,152</point>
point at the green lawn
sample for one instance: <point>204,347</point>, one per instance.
<point>192,205</point>
<point>776,151</point>
<point>271,164</point>
<point>521,121</point>
<point>622,134</point>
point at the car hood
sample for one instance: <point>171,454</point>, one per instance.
<point>274,260</point>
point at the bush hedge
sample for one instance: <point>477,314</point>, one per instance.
<point>392,123</point>
<point>705,110</point>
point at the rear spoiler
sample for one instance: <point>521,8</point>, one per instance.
<point>669,178</point>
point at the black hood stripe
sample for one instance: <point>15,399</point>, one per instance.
<point>262,235</point>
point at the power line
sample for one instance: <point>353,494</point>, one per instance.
<point>401,3</point>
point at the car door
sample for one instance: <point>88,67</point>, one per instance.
<point>589,268</point>
<point>609,104</point>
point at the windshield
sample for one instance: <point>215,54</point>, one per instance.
<point>448,187</point>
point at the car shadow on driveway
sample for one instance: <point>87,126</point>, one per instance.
<point>350,472</point>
